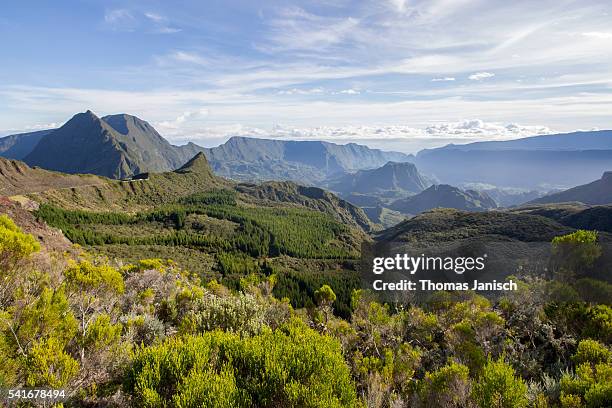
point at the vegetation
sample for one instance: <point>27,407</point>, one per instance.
<point>280,331</point>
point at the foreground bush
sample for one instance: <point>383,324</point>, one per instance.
<point>291,366</point>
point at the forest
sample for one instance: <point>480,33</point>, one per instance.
<point>152,334</point>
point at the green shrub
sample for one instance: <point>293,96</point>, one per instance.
<point>498,386</point>
<point>449,386</point>
<point>291,366</point>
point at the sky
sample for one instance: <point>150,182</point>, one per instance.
<point>394,74</point>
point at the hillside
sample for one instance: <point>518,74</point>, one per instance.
<point>575,215</point>
<point>399,178</point>
<point>450,225</point>
<point>271,193</point>
<point>597,192</point>
<point>548,161</point>
<point>16,177</point>
<point>444,196</point>
<point>310,162</point>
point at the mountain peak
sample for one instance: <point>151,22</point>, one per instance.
<point>198,164</point>
<point>607,176</point>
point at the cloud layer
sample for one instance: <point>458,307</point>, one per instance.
<point>364,69</point>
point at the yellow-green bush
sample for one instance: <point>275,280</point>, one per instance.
<point>291,366</point>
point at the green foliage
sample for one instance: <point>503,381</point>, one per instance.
<point>592,351</point>
<point>577,251</point>
<point>325,295</point>
<point>498,386</point>
<point>448,386</point>
<point>48,365</point>
<point>84,277</point>
<point>262,231</point>
<point>14,246</point>
<point>212,197</point>
<point>242,314</point>
<point>300,287</point>
<point>291,366</point>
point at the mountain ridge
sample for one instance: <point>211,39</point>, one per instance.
<point>444,196</point>
<point>595,193</point>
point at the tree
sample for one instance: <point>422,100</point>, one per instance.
<point>15,247</point>
<point>93,289</point>
<point>498,386</point>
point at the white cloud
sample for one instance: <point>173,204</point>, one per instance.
<point>399,5</point>
<point>154,17</point>
<point>181,120</point>
<point>297,91</point>
<point>120,20</point>
<point>478,76</point>
<point>443,79</point>
<point>598,35</point>
<point>350,91</point>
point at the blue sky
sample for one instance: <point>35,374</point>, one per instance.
<point>397,74</point>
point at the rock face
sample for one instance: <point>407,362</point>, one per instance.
<point>393,176</point>
<point>116,146</point>
<point>444,196</point>
<point>19,146</point>
<point>595,193</point>
<point>310,162</point>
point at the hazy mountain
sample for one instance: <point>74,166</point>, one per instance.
<point>393,176</point>
<point>506,196</point>
<point>597,192</point>
<point>308,162</point>
<point>18,146</point>
<point>539,161</point>
<point>444,196</point>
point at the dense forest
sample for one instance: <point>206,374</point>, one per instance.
<point>152,334</point>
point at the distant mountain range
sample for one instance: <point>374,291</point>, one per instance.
<point>547,161</point>
<point>392,177</point>
<point>310,162</point>
<point>595,193</point>
<point>508,172</point>
<point>119,146</point>
<point>444,196</point>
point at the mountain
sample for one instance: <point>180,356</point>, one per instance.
<point>115,146</point>
<point>560,160</point>
<point>310,162</point>
<point>592,140</point>
<point>393,176</point>
<point>444,196</point>
<point>506,196</point>
<point>119,146</point>
<point>148,146</point>
<point>18,146</point>
<point>597,192</point>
